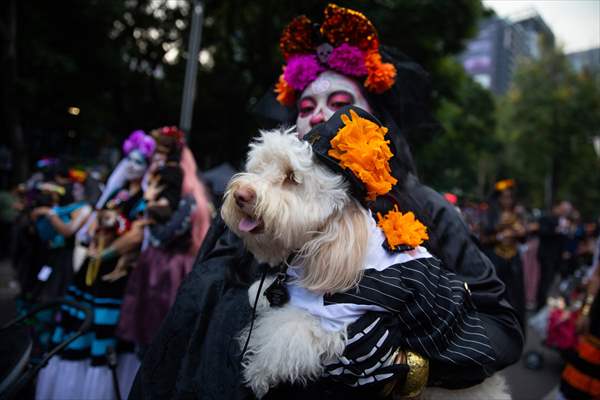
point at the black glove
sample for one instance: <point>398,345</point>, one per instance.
<point>370,352</point>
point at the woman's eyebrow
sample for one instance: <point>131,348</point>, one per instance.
<point>341,92</point>
<point>306,98</point>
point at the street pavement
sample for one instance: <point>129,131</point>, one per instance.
<point>527,384</point>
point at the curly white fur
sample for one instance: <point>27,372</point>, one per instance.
<point>304,208</point>
<point>287,345</point>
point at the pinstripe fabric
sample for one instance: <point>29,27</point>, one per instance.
<point>416,305</point>
<point>433,310</point>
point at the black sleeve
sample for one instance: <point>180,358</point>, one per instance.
<point>449,240</point>
<point>195,353</point>
<point>434,311</point>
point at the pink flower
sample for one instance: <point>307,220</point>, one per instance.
<point>348,60</point>
<point>301,70</point>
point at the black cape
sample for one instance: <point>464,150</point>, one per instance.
<point>196,354</point>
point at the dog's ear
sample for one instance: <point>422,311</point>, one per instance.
<point>333,260</point>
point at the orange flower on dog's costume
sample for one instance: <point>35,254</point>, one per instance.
<point>361,147</point>
<point>402,229</point>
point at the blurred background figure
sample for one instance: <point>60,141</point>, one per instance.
<point>503,231</point>
<point>553,230</point>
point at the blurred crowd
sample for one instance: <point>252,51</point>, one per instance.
<point>119,243</point>
<point>549,262</point>
<point>531,249</point>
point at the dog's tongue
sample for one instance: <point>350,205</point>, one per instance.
<point>247,224</point>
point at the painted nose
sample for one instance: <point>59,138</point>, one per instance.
<point>317,119</point>
<point>244,196</point>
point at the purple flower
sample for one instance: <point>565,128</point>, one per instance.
<point>147,146</point>
<point>301,70</point>
<point>138,140</point>
<point>348,60</point>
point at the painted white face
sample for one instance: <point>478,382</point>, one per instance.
<point>136,165</point>
<point>324,96</point>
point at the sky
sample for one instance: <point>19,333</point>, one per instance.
<point>575,23</point>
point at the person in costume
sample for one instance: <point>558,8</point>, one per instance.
<point>81,370</point>
<point>503,232</point>
<point>171,144</point>
<point>48,222</point>
<point>580,378</point>
<point>166,260</point>
<point>426,308</point>
<point>196,354</point>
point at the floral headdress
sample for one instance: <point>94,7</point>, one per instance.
<point>504,184</point>
<point>138,140</point>
<point>345,42</point>
<point>352,142</point>
<point>168,138</point>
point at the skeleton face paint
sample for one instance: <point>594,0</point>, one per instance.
<point>136,165</point>
<point>324,96</point>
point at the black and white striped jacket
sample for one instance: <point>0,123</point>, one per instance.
<point>432,310</point>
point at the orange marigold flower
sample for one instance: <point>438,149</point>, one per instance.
<point>402,229</point>
<point>361,146</point>
<point>285,93</point>
<point>380,76</point>
<point>504,184</point>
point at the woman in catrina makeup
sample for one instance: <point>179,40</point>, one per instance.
<point>196,353</point>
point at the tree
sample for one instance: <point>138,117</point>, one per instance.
<point>461,158</point>
<point>9,110</point>
<point>122,63</point>
<point>547,122</point>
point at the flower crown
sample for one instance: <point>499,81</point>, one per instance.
<point>359,150</point>
<point>345,42</point>
<point>168,137</point>
<point>504,184</point>
<point>138,140</point>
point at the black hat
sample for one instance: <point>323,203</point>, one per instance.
<point>320,138</point>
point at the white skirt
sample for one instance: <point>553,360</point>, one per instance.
<point>79,380</point>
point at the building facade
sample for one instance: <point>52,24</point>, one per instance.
<point>587,60</point>
<point>492,57</point>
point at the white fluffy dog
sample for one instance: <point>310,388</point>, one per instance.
<point>286,204</point>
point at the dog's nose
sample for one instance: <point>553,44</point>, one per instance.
<point>244,196</point>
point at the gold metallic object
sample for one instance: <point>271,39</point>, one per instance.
<point>416,379</point>
<point>94,264</point>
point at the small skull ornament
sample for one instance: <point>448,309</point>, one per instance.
<point>324,51</point>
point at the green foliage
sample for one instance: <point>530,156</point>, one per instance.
<point>547,122</point>
<point>122,62</point>
<point>461,159</point>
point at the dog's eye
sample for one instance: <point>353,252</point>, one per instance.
<point>292,178</point>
